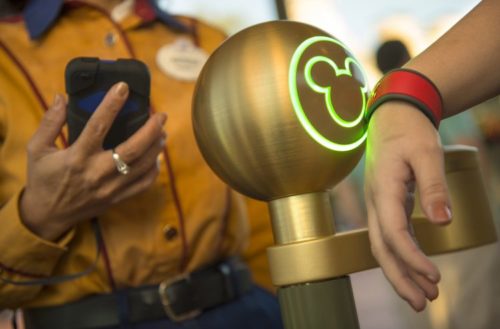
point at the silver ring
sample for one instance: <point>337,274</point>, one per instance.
<point>121,166</point>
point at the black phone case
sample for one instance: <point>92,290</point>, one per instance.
<point>88,79</point>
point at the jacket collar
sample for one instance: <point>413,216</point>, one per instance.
<point>40,15</point>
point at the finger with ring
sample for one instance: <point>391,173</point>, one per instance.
<point>121,166</point>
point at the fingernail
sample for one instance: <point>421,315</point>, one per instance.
<point>162,118</point>
<point>440,212</point>
<point>121,89</point>
<point>433,278</point>
<point>415,305</point>
<point>432,299</point>
<point>162,142</point>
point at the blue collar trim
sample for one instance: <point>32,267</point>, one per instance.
<point>40,15</point>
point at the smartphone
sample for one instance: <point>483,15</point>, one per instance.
<point>88,79</point>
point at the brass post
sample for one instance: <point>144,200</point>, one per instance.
<point>319,305</point>
<point>327,304</point>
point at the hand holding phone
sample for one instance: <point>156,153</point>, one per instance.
<point>73,184</point>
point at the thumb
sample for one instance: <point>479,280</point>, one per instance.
<point>432,187</point>
<point>51,125</point>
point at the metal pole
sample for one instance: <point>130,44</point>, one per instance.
<point>320,305</point>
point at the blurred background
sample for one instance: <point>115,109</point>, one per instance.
<point>384,34</point>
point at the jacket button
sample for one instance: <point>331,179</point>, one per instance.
<point>110,39</point>
<point>170,232</point>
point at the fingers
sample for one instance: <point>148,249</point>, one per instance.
<point>115,183</point>
<point>395,230</point>
<point>50,127</point>
<point>432,187</point>
<point>412,274</point>
<point>391,266</point>
<point>429,288</point>
<point>133,148</point>
<point>137,186</point>
<point>144,162</point>
<point>99,123</point>
<point>139,153</point>
<point>396,271</point>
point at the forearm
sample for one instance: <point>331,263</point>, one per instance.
<point>463,62</point>
<point>24,256</point>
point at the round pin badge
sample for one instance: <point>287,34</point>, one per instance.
<point>181,60</point>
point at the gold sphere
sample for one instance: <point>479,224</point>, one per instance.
<point>278,110</point>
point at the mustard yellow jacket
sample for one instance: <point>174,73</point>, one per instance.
<point>144,235</point>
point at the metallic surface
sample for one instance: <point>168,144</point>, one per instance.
<point>324,304</point>
<point>348,252</point>
<point>245,122</point>
<point>270,108</point>
<point>267,108</point>
<point>287,216</point>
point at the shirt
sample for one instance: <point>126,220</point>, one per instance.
<point>186,220</point>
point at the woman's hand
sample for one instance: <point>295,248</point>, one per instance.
<point>67,186</point>
<point>404,152</point>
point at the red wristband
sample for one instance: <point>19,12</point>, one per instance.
<point>409,86</point>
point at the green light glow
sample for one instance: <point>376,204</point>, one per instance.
<point>326,91</point>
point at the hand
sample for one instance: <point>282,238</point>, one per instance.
<point>67,186</point>
<point>404,150</point>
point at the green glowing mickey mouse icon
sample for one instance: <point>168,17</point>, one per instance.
<point>326,91</point>
<point>279,110</point>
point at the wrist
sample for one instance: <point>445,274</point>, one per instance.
<point>397,113</point>
<point>408,86</point>
<point>37,220</point>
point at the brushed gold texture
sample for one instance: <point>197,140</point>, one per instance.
<point>244,119</point>
<point>301,217</point>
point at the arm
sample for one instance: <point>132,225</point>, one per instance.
<point>463,63</point>
<point>404,151</point>
<point>67,186</point>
